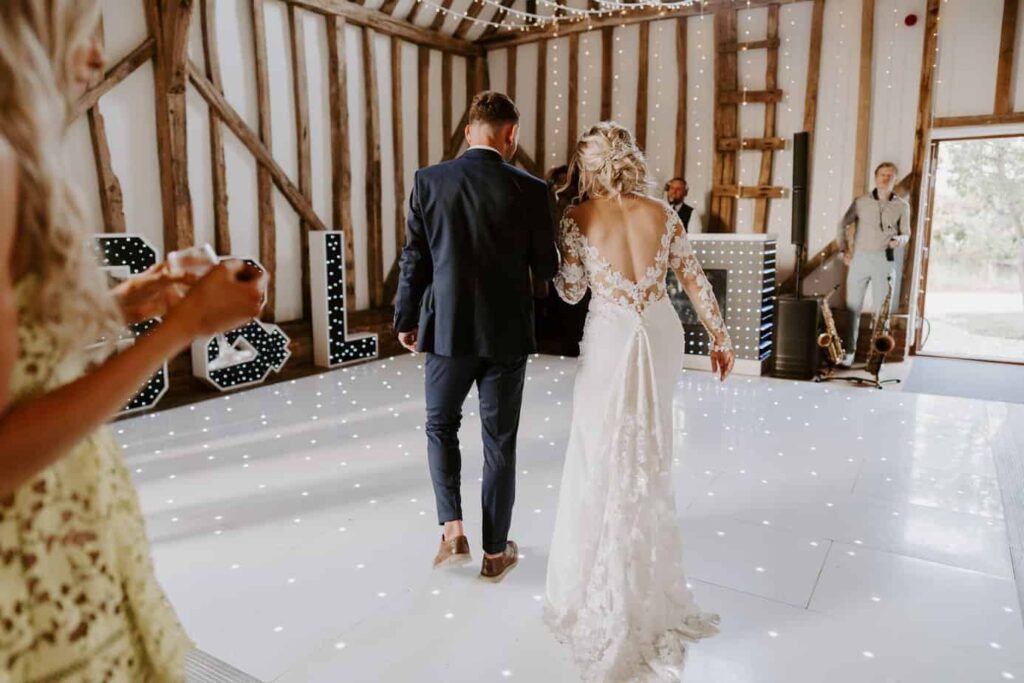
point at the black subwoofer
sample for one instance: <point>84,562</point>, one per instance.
<point>796,337</point>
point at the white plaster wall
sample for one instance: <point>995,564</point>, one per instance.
<point>965,82</point>
<point>700,128</point>
<point>589,84</point>
<point>662,91</point>
<point>625,44</point>
<point>526,98</point>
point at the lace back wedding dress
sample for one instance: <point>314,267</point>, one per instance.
<point>616,591</point>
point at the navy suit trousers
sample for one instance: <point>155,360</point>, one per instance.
<point>500,386</point>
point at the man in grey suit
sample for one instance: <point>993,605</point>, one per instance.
<point>477,227</point>
<point>870,231</point>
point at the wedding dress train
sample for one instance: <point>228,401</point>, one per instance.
<point>616,591</point>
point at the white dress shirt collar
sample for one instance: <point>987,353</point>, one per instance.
<point>488,147</point>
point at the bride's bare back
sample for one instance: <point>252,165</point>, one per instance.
<point>628,234</point>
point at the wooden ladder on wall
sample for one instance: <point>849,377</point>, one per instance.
<point>729,143</point>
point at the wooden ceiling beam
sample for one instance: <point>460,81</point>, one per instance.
<point>357,15</point>
<point>517,37</point>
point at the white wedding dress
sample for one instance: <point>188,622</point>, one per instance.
<point>616,591</point>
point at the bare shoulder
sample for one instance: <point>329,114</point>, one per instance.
<point>578,213</point>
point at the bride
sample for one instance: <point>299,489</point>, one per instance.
<point>615,586</point>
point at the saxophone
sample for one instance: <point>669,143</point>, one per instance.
<point>881,341</point>
<point>829,339</point>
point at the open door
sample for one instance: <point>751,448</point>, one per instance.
<point>971,296</point>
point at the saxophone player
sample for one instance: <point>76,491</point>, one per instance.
<point>870,231</point>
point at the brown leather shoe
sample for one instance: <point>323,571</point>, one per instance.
<point>494,569</point>
<point>453,553</point>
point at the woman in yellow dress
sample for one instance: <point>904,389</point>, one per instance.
<point>78,597</point>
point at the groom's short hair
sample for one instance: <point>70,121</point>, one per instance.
<point>493,108</point>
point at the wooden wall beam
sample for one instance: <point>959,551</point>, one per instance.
<point>681,96</point>
<point>398,145</point>
<point>111,197</point>
<point>542,106</point>
<point>358,15</point>
<point>760,144</point>
<point>979,120</point>
<point>264,183</point>
<point>374,217</point>
<point>750,45</point>
<point>773,96</point>
<point>234,121</point>
<point>724,172</point>
<point>300,94</point>
<point>573,111</point>
<point>114,76</point>
<point>1007,45</point>
<point>761,205</point>
<point>511,72</point>
<point>643,74</point>
<point>218,168</point>
<point>457,137</point>
<point>446,96</point>
<point>341,170</point>
<point>923,129</point>
<point>170,29</point>
<point>749,191</point>
<point>607,71</point>
<point>865,90</point>
<point>529,164</point>
<point>813,71</point>
<point>517,37</point>
<point>423,90</point>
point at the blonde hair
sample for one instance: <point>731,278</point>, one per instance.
<point>38,39</point>
<point>608,163</point>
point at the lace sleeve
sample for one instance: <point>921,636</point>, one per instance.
<point>571,280</point>
<point>695,283</point>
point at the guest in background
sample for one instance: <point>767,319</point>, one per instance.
<point>78,596</point>
<point>559,324</point>
<point>870,231</point>
<point>675,192</point>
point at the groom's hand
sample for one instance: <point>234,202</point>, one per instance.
<point>408,339</point>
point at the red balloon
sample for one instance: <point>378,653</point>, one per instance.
<point>910,19</point>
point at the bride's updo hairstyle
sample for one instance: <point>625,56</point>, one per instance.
<point>609,163</point>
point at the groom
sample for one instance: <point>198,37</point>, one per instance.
<point>477,227</point>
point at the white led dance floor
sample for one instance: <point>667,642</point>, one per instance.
<point>843,534</point>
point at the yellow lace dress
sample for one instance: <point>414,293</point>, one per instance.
<point>78,597</point>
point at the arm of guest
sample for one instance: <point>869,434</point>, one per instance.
<point>847,228</point>
<point>416,267</point>
<point>903,227</point>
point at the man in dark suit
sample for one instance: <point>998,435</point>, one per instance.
<point>675,192</point>
<point>477,227</point>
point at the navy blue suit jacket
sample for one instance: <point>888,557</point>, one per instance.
<point>477,227</point>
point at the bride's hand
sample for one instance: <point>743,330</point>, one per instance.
<point>722,362</point>
<point>152,293</point>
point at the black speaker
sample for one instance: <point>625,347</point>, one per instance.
<point>799,227</point>
<point>796,337</point>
